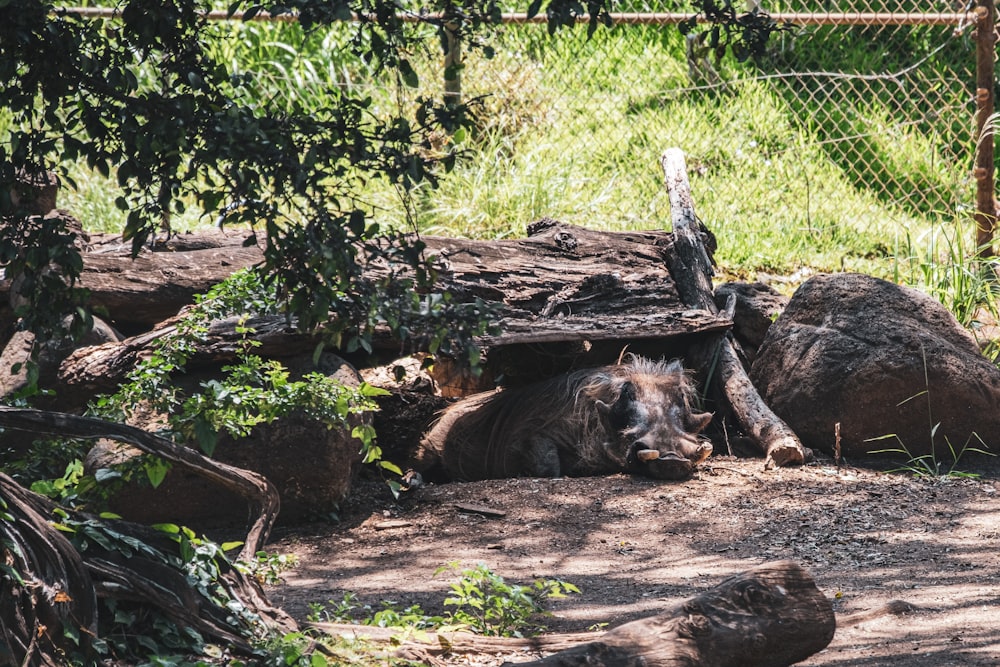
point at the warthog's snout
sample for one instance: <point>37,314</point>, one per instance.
<point>670,464</point>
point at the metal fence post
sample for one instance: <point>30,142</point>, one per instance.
<point>452,66</point>
<point>986,211</point>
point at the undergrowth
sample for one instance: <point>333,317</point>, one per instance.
<point>484,603</point>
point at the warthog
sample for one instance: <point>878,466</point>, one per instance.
<point>635,417</point>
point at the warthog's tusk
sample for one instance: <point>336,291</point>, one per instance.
<point>647,454</point>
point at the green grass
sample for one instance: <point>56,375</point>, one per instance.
<point>573,129</point>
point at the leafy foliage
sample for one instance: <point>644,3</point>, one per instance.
<point>143,98</point>
<point>745,34</point>
<point>252,391</point>
<point>490,606</point>
<point>267,567</point>
<point>932,464</point>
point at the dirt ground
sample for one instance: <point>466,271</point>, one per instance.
<point>637,547</point>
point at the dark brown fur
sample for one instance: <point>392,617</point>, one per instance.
<point>574,425</point>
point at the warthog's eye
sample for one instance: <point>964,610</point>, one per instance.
<point>624,413</point>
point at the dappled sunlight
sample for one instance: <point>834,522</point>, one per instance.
<point>637,547</point>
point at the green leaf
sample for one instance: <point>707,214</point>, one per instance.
<point>370,391</point>
<point>168,528</point>
<point>156,471</point>
<point>390,466</point>
<point>206,435</point>
<point>408,74</point>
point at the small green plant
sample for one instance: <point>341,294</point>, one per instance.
<point>484,603</point>
<point>267,568</point>
<point>488,605</point>
<point>252,390</point>
<point>931,464</point>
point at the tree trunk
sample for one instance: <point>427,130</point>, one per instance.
<point>718,358</point>
<point>770,616</point>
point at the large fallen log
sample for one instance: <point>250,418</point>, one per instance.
<point>561,284</point>
<point>716,354</point>
<point>770,616</point>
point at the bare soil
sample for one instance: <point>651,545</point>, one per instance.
<point>637,547</point>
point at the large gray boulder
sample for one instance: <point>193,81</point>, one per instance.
<point>880,360</point>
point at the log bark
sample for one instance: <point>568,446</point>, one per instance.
<point>141,292</point>
<point>770,616</point>
<point>102,368</point>
<point>560,283</point>
<point>566,283</point>
<point>692,271</point>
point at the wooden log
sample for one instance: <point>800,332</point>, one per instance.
<point>102,368</point>
<point>770,616</point>
<point>139,293</point>
<point>566,283</point>
<point>692,271</point>
<point>561,284</point>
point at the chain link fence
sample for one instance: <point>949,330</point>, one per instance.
<point>861,114</point>
<point>883,101</point>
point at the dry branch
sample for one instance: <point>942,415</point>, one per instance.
<point>692,271</point>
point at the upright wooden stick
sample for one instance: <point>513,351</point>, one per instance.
<point>692,271</point>
<point>986,213</point>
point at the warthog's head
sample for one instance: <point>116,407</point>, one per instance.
<point>647,409</point>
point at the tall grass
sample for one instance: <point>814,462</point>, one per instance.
<point>762,175</point>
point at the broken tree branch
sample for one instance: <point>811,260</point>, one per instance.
<point>692,273</point>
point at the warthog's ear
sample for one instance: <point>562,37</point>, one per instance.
<point>620,414</point>
<point>699,421</point>
<point>675,366</point>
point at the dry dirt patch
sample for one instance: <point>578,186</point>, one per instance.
<point>637,546</point>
